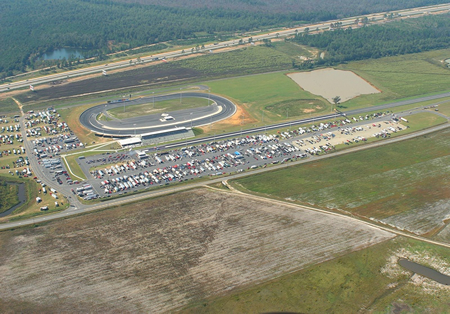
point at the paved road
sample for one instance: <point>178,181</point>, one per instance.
<point>39,171</point>
<point>81,208</point>
<point>220,109</point>
<point>328,117</point>
<point>219,45</point>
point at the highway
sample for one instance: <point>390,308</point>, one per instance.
<point>219,45</point>
<point>221,108</point>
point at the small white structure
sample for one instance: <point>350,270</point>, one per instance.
<point>132,141</point>
<point>141,154</point>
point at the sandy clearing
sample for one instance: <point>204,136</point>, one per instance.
<point>162,254</point>
<point>240,117</point>
<point>430,287</point>
<point>330,83</point>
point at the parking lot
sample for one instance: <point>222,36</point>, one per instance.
<point>126,172</point>
<point>52,136</point>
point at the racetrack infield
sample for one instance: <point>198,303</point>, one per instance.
<point>161,254</point>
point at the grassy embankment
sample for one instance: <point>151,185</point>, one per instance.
<point>102,117</point>
<point>444,108</point>
<point>8,195</point>
<point>71,117</point>
<point>30,208</point>
<point>8,106</point>
<point>379,182</point>
<point>346,284</point>
<point>71,158</point>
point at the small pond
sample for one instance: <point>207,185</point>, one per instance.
<point>62,53</point>
<point>425,271</point>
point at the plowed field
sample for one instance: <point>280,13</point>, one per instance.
<point>161,254</point>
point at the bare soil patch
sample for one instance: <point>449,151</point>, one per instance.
<point>330,83</point>
<point>123,79</point>
<point>240,117</point>
<point>161,254</point>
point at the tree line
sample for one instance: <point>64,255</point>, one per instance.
<point>30,28</point>
<point>377,41</point>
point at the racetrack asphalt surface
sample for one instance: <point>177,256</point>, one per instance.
<point>220,109</point>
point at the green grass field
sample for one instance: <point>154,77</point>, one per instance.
<point>379,182</point>
<point>294,50</point>
<point>102,117</point>
<point>401,76</point>
<point>444,108</point>
<point>8,195</point>
<point>160,107</point>
<point>249,60</point>
<point>8,106</point>
<point>30,208</point>
<point>269,92</point>
<point>398,78</point>
<point>348,284</point>
<point>424,120</point>
<point>298,108</point>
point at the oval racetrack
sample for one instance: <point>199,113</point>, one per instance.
<point>221,108</point>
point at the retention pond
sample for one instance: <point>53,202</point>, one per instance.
<point>22,199</point>
<point>425,271</point>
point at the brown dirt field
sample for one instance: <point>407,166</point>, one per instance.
<point>234,120</point>
<point>139,76</point>
<point>161,254</point>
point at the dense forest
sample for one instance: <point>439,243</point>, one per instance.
<point>341,8</point>
<point>29,28</point>
<point>395,38</point>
